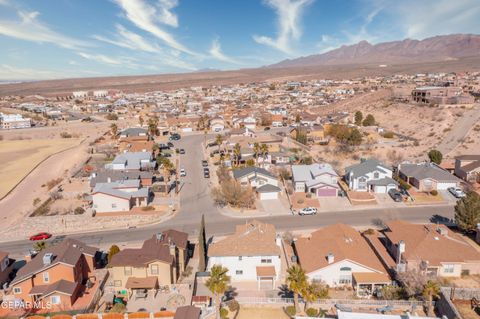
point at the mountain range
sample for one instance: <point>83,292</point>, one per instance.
<point>438,48</point>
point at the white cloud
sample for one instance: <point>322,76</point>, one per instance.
<point>9,72</point>
<point>29,28</point>
<point>289,14</point>
<point>130,40</point>
<point>216,52</point>
<point>148,17</point>
<point>103,59</point>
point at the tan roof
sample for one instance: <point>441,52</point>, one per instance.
<point>425,242</point>
<point>342,241</point>
<point>3,254</point>
<point>142,283</point>
<point>250,239</point>
<point>371,278</point>
<point>266,271</point>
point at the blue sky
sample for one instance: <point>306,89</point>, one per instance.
<point>44,39</point>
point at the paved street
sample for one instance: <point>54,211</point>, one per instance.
<point>195,200</point>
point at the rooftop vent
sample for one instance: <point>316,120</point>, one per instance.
<point>330,258</point>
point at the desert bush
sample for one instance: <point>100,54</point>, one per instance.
<point>434,192</point>
<point>148,208</point>
<point>388,134</point>
<point>291,311</point>
<point>53,182</point>
<point>223,313</point>
<point>233,305</point>
<point>79,211</point>
<point>36,201</point>
<point>311,312</point>
<point>232,193</point>
<point>65,135</point>
<point>112,117</point>
<point>118,308</point>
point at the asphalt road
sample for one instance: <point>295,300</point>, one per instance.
<point>195,200</point>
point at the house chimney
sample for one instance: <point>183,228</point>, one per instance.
<point>278,240</point>
<point>330,258</point>
<point>401,250</point>
<point>442,231</point>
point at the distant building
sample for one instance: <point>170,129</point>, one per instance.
<point>80,94</point>
<point>441,95</point>
<point>100,93</point>
<point>14,121</point>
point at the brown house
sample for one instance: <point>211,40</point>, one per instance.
<point>57,275</point>
<point>467,167</point>
<point>158,262</point>
<point>5,268</point>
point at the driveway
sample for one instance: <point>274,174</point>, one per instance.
<point>274,207</point>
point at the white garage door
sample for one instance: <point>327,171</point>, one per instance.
<point>266,196</point>
<point>444,186</point>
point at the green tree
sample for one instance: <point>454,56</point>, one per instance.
<point>369,120</point>
<point>301,136</point>
<point>218,284</point>
<point>297,118</point>
<point>153,126</point>
<point>114,130</point>
<point>264,151</point>
<point>297,282</point>
<point>358,118</point>
<point>114,249</point>
<point>237,153</point>
<point>313,291</point>
<point>219,141</point>
<point>202,245</point>
<point>40,245</point>
<point>354,137</point>
<point>256,152</point>
<point>467,212</point>
<point>431,290</point>
<point>435,156</point>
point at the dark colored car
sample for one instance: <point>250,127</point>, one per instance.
<point>204,163</point>
<point>170,144</point>
<point>206,172</point>
<point>395,195</point>
<point>182,151</point>
<point>40,236</point>
<point>267,128</point>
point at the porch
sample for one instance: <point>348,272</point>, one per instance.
<point>367,283</point>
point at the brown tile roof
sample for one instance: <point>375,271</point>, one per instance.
<point>342,241</point>
<point>153,249</point>
<point>266,271</point>
<point>425,242</point>
<point>61,286</point>
<point>250,239</point>
<point>187,312</point>
<point>142,283</point>
<point>67,252</point>
<point>371,277</point>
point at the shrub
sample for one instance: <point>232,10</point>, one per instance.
<point>36,201</point>
<point>233,306</point>
<point>79,211</point>
<point>148,208</point>
<point>114,249</point>
<point>311,312</point>
<point>65,135</point>
<point>434,192</point>
<point>291,311</point>
<point>369,232</point>
<point>118,308</point>
<point>388,134</point>
<point>112,117</point>
<point>223,313</point>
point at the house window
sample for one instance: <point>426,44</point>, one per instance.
<point>114,205</point>
<point>154,269</point>
<point>239,272</point>
<point>376,175</point>
<point>128,271</point>
<point>46,277</point>
<point>266,261</point>
<point>345,279</point>
<point>345,269</point>
<point>448,269</point>
<point>17,290</point>
<point>240,257</point>
<point>117,283</point>
<point>55,300</point>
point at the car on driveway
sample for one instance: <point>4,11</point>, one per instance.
<point>457,192</point>
<point>183,173</point>
<point>395,195</point>
<point>206,172</point>
<point>308,211</point>
<point>40,236</point>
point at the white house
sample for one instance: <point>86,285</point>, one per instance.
<point>319,179</point>
<point>217,124</point>
<point>370,176</point>
<point>120,196</point>
<point>250,122</point>
<point>132,161</point>
<point>339,256</point>
<point>14,121</point>
<point>264,182</point>
<point>252,254</point>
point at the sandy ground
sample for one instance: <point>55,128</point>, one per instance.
<point>261,312</point>
<point>19,157</point>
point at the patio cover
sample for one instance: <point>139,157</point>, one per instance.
<point>266,271</point>
<point>142,283</point>
<point>371,278</point>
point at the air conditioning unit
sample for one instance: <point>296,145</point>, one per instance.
<point>47,259</point>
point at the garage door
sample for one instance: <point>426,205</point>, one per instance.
<point>326,192</point>
<point>444,186</point>
<point>266,196</point>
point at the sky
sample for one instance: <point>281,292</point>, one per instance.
<point>48,39</point>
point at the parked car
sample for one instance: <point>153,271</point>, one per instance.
<point>395,195</point>
<point>308,211</point>
<point>40,236</point>
<point>212,144</point>
<point>206,172</point>
<point>183,173</point>
<point>267,128</point>
<point>175,137</point>
<point>457,192</point>
<point>182,151</point>
<point>205,163</point>
<point>170,144</point>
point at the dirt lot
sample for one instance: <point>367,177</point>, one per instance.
<point>261,312</point>
<point>19,157</point>
<point>465,310</point>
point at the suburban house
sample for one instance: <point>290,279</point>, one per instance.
<point>370,176</point>
<point>120,196</point>
<point>427,176</point>
<point>159,261</point>
<point>319,179</point>
<point>109,176</point>
<point>187,312</point>
<point>217,124</point>
<point>431,248</point>
<point>6,265</point>
<point>132,161</point>
<point>58,274</point>
<point>264,182</point>
<point>133,132</point>
<point>339,256</point>
<point>252,254</point>
<point>467,167</point>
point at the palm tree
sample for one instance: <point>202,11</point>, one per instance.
<point>264,151</point>
<point>314,291</point>
<point>40,245</point>
<point>218,284</point>
<point>140,120</point>
<point>296,281</point>
<point>431,290</point>
<point>114,130</point>
<point>256,151</point>
<point>237,153</point>
<point>219,141</point>
<point>152,126</point>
